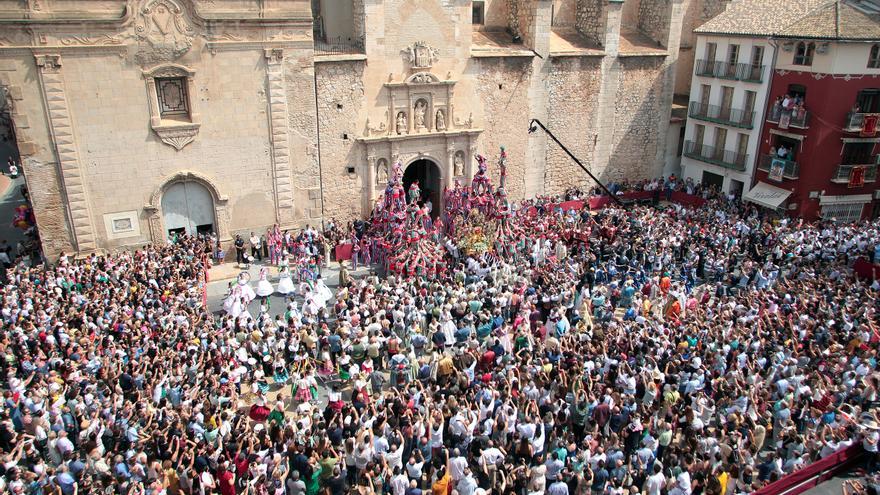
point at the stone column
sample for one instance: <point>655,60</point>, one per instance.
<point>469,162</point>
<point>278,130</point>
<point>369,189</point>
<point>450,164</point>
<point>63,137</point>
<point>672,43</point>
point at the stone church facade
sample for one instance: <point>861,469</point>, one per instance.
<point>136,119</point>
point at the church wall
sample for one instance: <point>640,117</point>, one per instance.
<point>232,147</point>
<point>574,97</point>
<point>340,87</point>
<point>638,113</point>
<point>18,74</point>
<point>303,137</point>
<point>502,89</point>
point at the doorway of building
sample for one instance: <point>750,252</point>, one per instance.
<point>736,188</point>
<point>710,179</point>
<point>188,207</point>
<point>428,174</point>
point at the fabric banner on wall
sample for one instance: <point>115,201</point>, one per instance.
<point>777,169</point>
<point>869,125</point>
<point>343,252</point>
<point>857,177</point>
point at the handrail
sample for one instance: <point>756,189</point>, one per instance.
<point>814,473</point>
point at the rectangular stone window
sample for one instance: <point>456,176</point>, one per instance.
<point>173,100</point>
<point>479,12</point>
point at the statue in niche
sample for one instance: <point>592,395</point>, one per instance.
<point>441,121</point>
<point>382,172</point>
<point>458,164</point>
<point>420,109</point>
<point>401,122</point>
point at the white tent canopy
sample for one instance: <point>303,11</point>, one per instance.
<point>766,195</point>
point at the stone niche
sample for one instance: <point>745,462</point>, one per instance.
<point>419,123</point>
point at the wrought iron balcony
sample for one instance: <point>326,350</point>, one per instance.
<point>726,70</point>
<point>786,118</point>
<point>721,115</point>
<point>722,158</point>
<point>856,122</point>
<point>841,175</point>
<point>791,170</point>
<point>339,46</point>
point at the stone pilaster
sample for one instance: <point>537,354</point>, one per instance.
<point>80,217</point>
<point>608,91</point>
<point>672,43</point>
<point>369,178</point>
<point>278,122</point>
<point>539,98</point>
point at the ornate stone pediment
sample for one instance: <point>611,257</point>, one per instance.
<point>421,55</point>
<point>422,78</point>
<point>163,31</point>
<point>178,135</point>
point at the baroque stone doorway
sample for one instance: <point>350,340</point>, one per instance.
<point>427,173</point>
<point>188,207</point>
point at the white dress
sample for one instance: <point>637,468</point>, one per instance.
<point>322,293</point>
<point>232,304</point>
<point>285,283</point>
<point>247,292</point>
<point>264,288</point>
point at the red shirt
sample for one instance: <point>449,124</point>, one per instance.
<point>226,485</point>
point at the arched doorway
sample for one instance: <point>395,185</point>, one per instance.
<point>428,174</point>
<point>188,206</point>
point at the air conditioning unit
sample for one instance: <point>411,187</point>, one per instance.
<point>822,48</point>
<point>792,206</point>
<point>814,194</point>
<point>788,46</point>
<point>877,194</point>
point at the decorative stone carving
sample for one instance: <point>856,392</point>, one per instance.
<point>377,130</point>
<point>458,164</point>
<point>85,40</point>
<point>163,31</point>
<point>440,121</point>
<point>178,136</point>
<point>422,78</point>
<point>421,55</point>
<point>419,110</point>
<point>401,123</point>
<point>467,124</point>
<point>55,96</point>
<point>382,172</point>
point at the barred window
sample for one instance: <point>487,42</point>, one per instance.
<point>172,96</point>
<point>843,213</point>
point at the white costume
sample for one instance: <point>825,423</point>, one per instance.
<point>264,288</point>
<point>285,283</point>
<point>246,292</point>
<point>322,293</point>
<point>233,303</point>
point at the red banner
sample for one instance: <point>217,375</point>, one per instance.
<point>869,126</point>
<point>856,177</point>
<point>343,252</point>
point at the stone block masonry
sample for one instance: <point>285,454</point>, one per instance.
<point>340,90</point>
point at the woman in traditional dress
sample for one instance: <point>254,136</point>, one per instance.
<point>285,283</point>
<point>232,304</point>
<point>280,374</point>
<point>246,291</point>
<point>322,293</point>
<point>264,287</point>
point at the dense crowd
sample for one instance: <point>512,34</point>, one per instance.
<point>639,350</point>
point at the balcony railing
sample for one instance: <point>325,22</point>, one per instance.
<point>720,157</point>
<point>791,170</point>
<point>841,175</point>
<point>721,115</point>
<point>339,46</point>
<point>786,118</point>
<point>855,122</point>
<point>726,70</point>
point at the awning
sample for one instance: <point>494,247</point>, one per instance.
<point>766,195</point>
<point>844,199</point>
<point>790,135</point>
